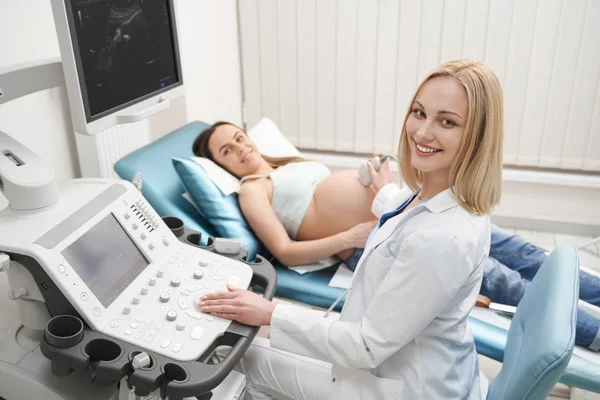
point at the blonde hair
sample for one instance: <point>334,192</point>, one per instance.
<point>476,173</point>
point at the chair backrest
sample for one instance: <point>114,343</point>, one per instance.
<point>542,332</point>
<point>161,185</point>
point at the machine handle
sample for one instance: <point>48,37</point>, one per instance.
<point>163,104</point>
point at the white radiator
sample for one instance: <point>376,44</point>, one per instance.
<point>337,75</point>
<point>99,153</point>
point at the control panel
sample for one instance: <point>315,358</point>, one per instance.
<point>163,315</point>
<point>130,277</point>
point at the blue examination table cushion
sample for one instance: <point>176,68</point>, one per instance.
<point>222,211</point>
<point>163,188</point>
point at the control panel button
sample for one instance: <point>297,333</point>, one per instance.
<point>160,273</point>
<point>126,310</point>
<point>152,282</point>
<point>180,327</point>
<point>114,325</point>
<point>148,340</point>
<point>144,291</point>
<point>135,300</point>
<point>165,242</point>
<point>134,226</point>
<point>139,319</point>
<point>197,333</point>
<point>210,318</point>
<point>139,336</point>
<point>198,274</point>
<point>62,269</point>
<point>203,263</point>
<point>128,332</point>
<point>84,296</point>
<point>96,311</point>
<point>158,326</point>
<point>183,303</point>
<point>143,236</point>
<point>171,316</point>
<point>177,348</point>
<point>165,297</point>
<point>150,246</point>
<point>175,282</point>
<point>127,215</point>
<point>233,281</point>
<point>194,314</point>
<point>133,325</point>
<point>165,343</point>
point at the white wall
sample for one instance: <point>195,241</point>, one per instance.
<point>210,56</point>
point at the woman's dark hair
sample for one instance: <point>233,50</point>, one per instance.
<point>200,146</point>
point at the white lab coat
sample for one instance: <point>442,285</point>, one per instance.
<point>403,331</point>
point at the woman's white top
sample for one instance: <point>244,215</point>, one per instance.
<point>294,187</point>
<point>403,331</point>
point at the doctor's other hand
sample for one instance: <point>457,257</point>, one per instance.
<point>382,177</point>
<point>356,237</point>
<point>238,305</point>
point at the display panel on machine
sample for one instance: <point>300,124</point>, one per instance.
<point>124,50</point>
<point>106,259</point>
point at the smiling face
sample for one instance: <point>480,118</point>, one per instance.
<point>233,150</point>
<point>436,124</point>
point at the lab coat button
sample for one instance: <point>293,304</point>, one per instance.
<point>333,380</point>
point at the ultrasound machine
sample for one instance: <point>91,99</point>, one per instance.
<point>106,289</point>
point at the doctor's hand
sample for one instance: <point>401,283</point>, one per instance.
<point>238,305</point>
<point>382,177</point>
<point>356,237</point>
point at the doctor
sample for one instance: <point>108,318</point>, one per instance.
<point>403,331</point>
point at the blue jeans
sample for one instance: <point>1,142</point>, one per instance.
<point>512,264</point>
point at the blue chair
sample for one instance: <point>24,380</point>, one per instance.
<point>542,332</point>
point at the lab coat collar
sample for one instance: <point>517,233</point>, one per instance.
<point>442,201</point>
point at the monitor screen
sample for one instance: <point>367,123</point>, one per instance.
<point>125,52</point>
<point>106,259</point>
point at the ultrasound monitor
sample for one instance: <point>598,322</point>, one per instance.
<point>120,59</point>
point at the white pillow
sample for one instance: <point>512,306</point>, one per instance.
<point>269,140</point>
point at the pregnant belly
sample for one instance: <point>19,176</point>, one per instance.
<point>339,203</point>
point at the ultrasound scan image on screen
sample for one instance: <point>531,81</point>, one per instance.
<point>106,259</point>
<point>126,50</point>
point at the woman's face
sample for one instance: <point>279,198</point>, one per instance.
<point>233,150</point>
<point>435,126</point>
